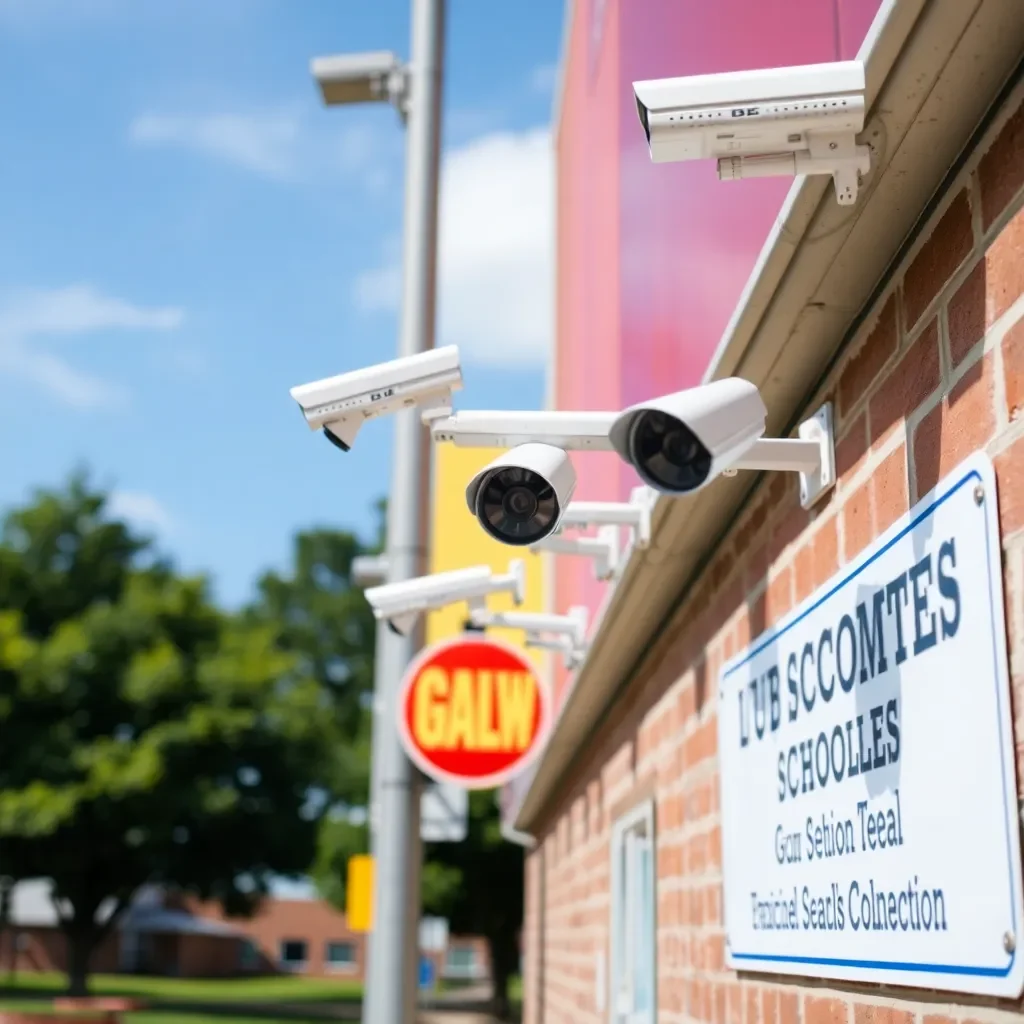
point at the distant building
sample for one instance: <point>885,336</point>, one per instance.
<point>165,933</point>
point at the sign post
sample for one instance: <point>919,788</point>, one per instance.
<point>870,827</point>
<point>472,712</point>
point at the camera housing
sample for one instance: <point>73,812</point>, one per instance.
<point>572,625</point>
<point>679,443</point>
<point>401,604</point>
<point>341,405</point>
<point>368,570</point>
<point>373,77</point>
<point>521,496</point>
<point>772,122</point>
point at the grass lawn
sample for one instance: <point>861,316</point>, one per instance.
<point>274,989</point>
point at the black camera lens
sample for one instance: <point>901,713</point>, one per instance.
<point>667,454</point>
<point>517,506</point>
<point>520,503</point>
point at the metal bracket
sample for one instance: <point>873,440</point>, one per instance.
<point>815,484</point>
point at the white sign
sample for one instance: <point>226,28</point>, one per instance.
<point>869,805</point>
<point>444,813</point>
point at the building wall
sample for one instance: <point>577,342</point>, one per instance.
<point>652,258</point>
<point>314,922</point>
<point>44,949</point>
<point>936,373</point>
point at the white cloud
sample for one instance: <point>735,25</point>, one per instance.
<point>284,144</point>
<point>262,142</point>
<point>496,272</point>
<point>140,510</point>
<point>28,318</point>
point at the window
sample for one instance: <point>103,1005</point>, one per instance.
<point>340,955</point>
<point>633,918</point>
<point>248,956</point>
<point>293,953</point>
<point>460,961</point>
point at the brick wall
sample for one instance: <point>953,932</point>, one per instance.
<point>936,373</point>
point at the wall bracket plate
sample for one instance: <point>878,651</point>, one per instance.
<point>814,486</point>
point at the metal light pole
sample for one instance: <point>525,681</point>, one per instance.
<point>395,800</point>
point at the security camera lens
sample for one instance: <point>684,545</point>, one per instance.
<point>667,454</point>
<point>520,503</point>
<point>517,506</point>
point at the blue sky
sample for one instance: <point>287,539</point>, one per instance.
<point>187,234</point>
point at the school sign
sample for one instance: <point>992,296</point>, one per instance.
<point>869,813</point>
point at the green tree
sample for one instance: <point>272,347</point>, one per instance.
<point>327,624</point>
<point>148,737</point>
<point>478,886</point>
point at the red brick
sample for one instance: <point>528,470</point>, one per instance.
<point>1013,368</point>
<point>1009,467</point>
<point>1001,171</point>
<point>719,1008</point>
<point>967,315</point>
<point>851,449</point>
<point>788,530</point>
<point>963,422</point>
<point>868,1013</point>
<point>803,572</point>
<point>826,550</point>
<point>735,1004</point>
<point>1004,268</point>
<point>949,245</point>
<point>913,379</point>
<point>779,595</point>
<point>753,1006</point>
<point>789,1008</point>
<point>890,483</point>
<point>937,1018</point>
<point>857,530</point>
<point>769,1006</point>
<point>825,1011</point>
<point>863,368</point>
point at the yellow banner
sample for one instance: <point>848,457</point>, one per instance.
<point>458,541</point>
<point>359,893</point>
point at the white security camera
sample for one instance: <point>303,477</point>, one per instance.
<point>369,569</point>
<point>603,549</point>
<point>636,514</point>
<point>679,443</point>
<point>573,624</point>
<point>341,405</point>
<point>521,496</point>
<point>374,77</point>
<point>401,604</point>
<point>775,122</point>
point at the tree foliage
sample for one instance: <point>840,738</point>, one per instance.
<point>327,624</point>
<point>149,737</point>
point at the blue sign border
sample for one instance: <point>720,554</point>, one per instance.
<point>770,637</point>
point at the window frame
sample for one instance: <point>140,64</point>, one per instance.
<point>469,970</point>
<point>293,965</point>
<point>341,966</point>
<point>633,833</point>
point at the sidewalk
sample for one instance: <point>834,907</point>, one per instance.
<point>463,1006</point>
